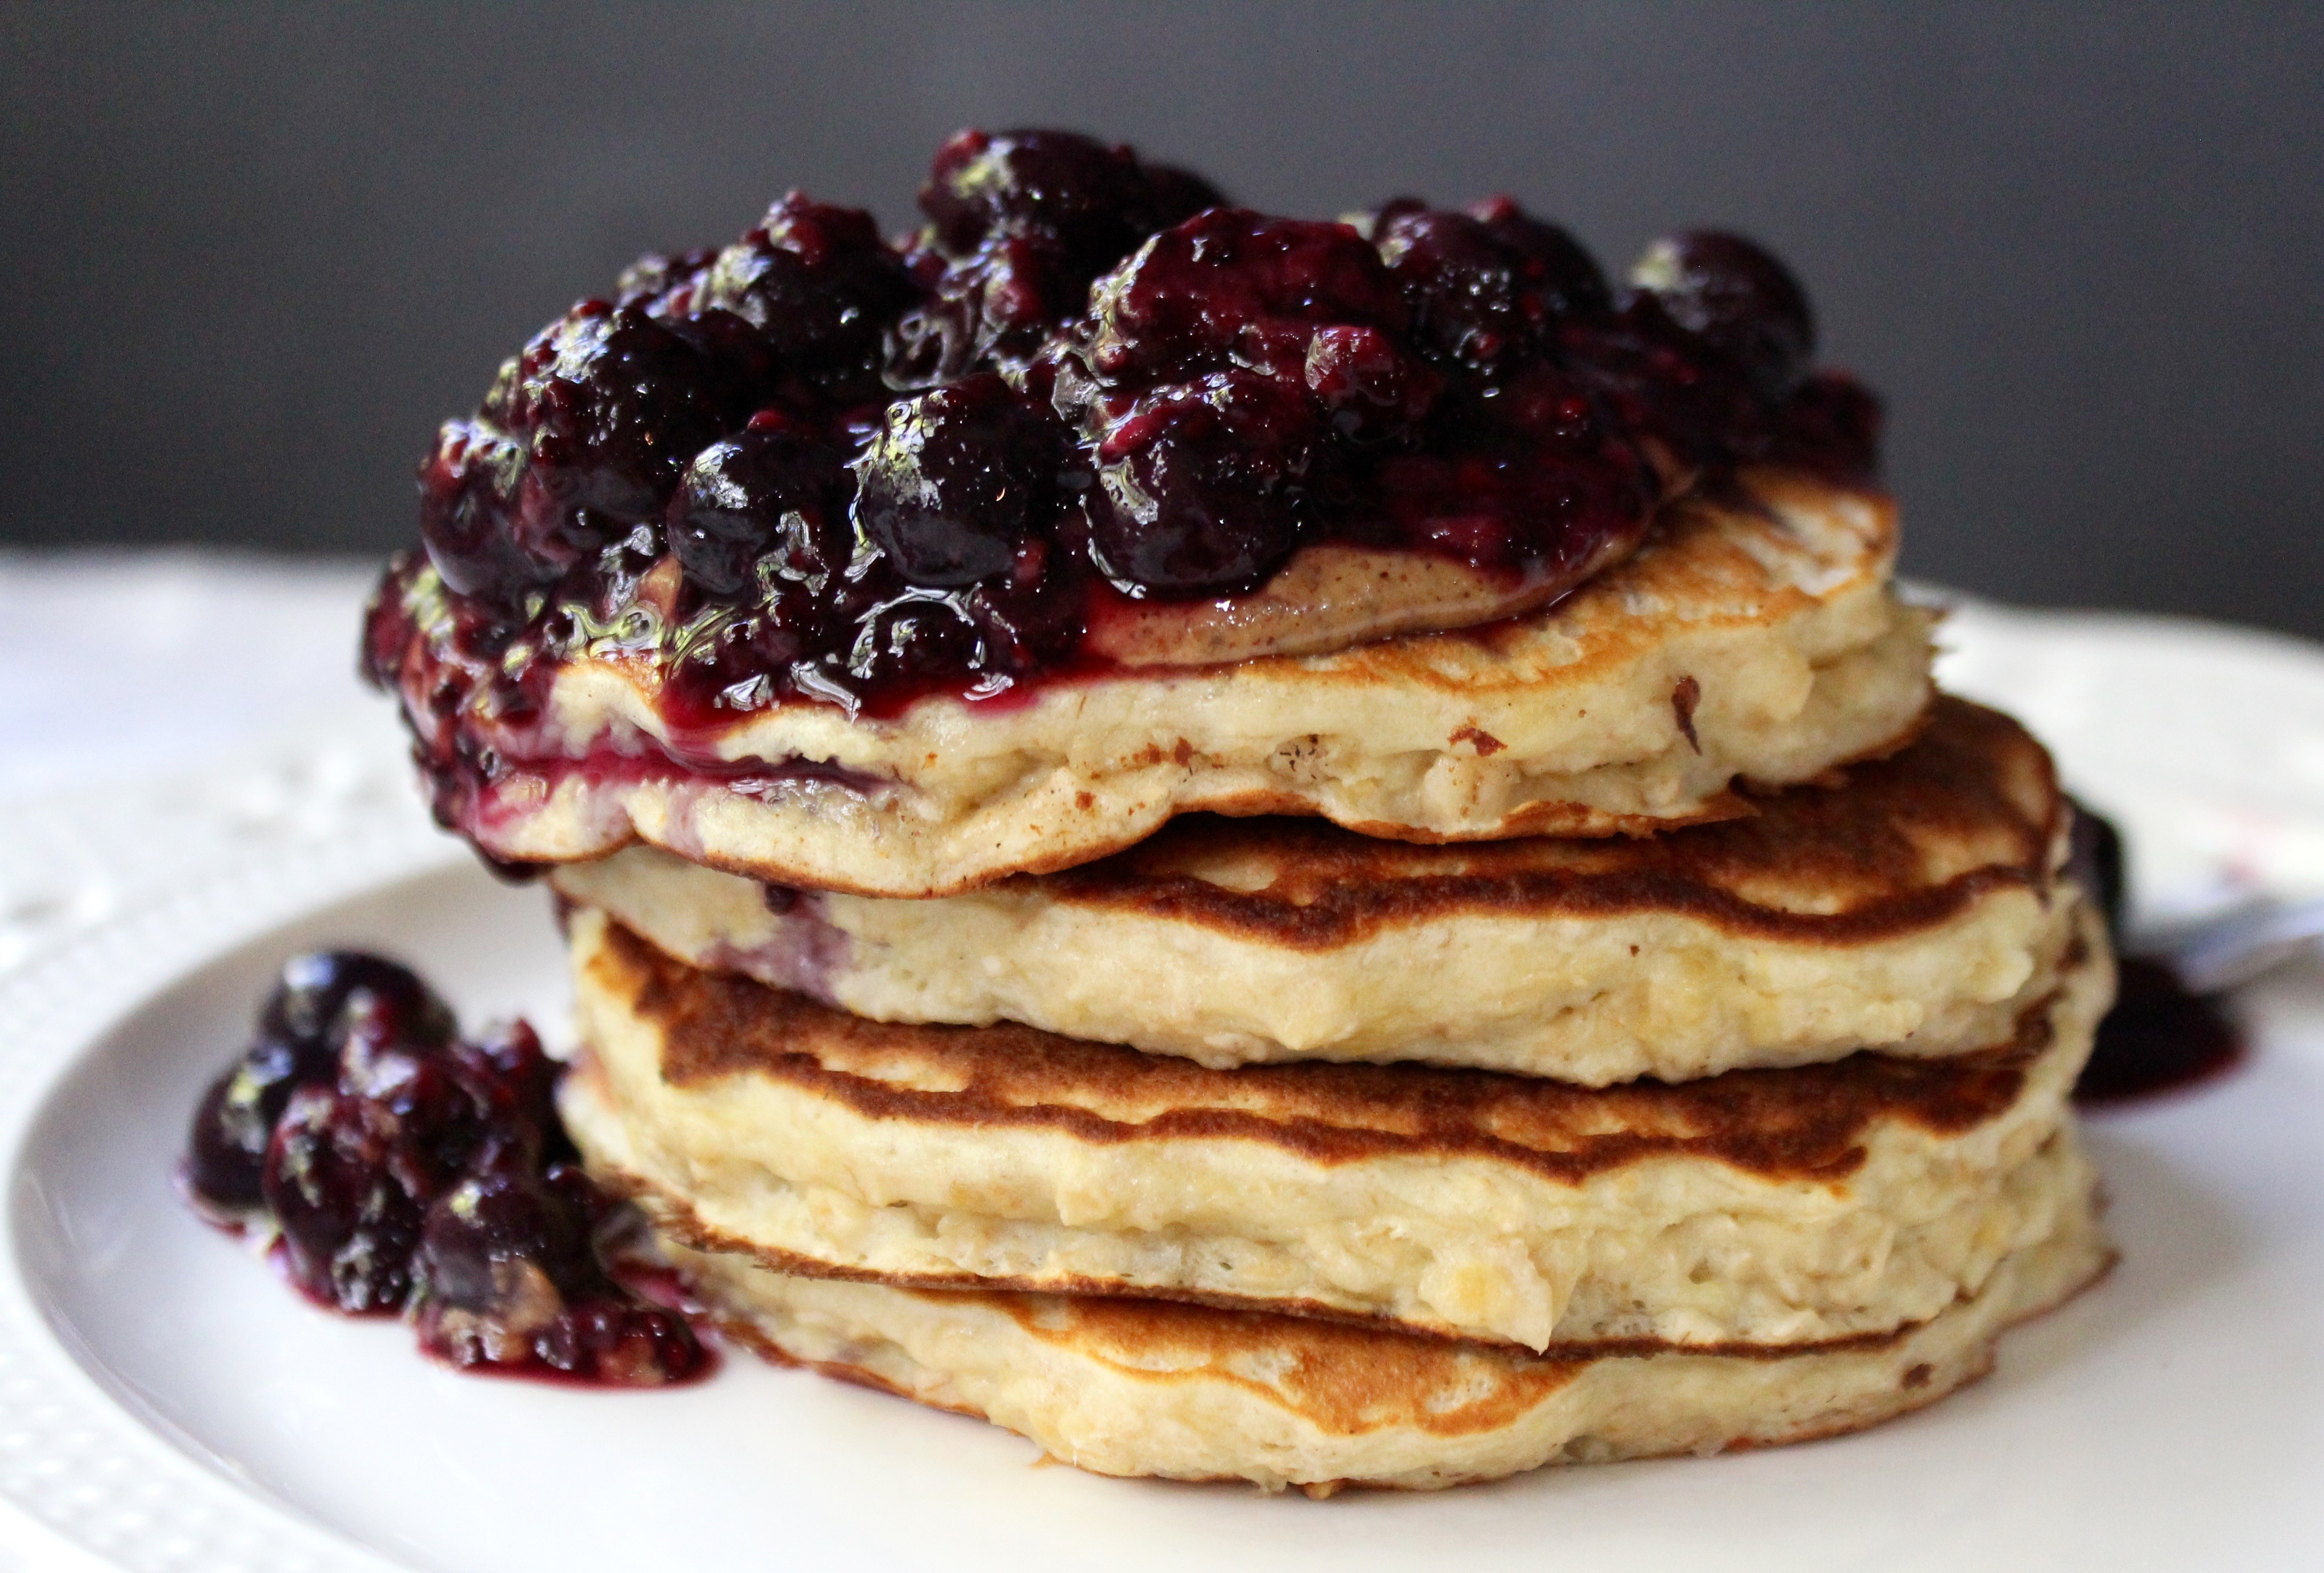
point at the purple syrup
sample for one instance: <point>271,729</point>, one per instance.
<point>2159,1036</point>
<point>816,466</point>
<point>406,1170</point>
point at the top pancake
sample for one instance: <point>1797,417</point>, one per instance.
<point>1756,641</point>
<point>1911,909</point>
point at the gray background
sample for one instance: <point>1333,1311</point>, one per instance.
<point>251,254</point>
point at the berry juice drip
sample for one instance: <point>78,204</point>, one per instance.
<point>2159,1036</point>
<point>818,466</point>
<point>406,1170</point>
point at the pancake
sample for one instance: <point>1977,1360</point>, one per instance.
<point>1914,910</point>
<point>1146,1387</point>
<point>1761,1207</point>
<point>1752,642</point>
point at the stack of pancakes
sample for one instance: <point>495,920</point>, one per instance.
<point>1644,1027</point>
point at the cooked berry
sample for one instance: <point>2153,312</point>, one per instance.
<point>771,488</point>
<point>1485,287</point>
<point>1233,287</point>
<point>1175,194</point>
<point>1558,266</point>
<point>741,369</point>
<point>309,1003</point>
<point>348,1199</point>
<point>956,479</point>
<point>1737,298</point>
<point>820,283</point>
<point>467,496</point>
<point>1369,388</point>
<point>612,403</point>
<point>912,637</point>
<point>514,1083</point>
<point>996,306</point>
<point>1199,487</point>
<point>1090,196</point>
<point>504,1243</point>
<point>663,284</point>
<point>404,1168</point>
<point>225,1156</point>
<point>1832,424</point>
<point>623,1343</point>
<point>1663,381</point>
<point>582,437</point>
<point>1097,203</point>
<point>1020,223</point>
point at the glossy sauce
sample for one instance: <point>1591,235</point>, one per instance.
<point>2157,1038</point>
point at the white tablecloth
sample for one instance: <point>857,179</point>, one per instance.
<point>116,666</point>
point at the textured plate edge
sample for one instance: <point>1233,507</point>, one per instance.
<point>73,1459</point>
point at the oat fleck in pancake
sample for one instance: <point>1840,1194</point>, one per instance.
<point>1757,1208</point>
<point>1757,640</point>
<point>1145,1387</point>
<point>1914,910</point>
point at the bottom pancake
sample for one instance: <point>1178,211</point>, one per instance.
<point>1142,1387</point>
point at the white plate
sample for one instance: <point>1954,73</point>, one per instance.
<point>165,1404</point>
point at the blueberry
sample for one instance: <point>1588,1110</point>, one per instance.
<point>1483,288</point>
<point>661,282</point>
<point>820,283</point>
<point>1091,195</point>
<point>348,1214</point>
<point>225,1155</point>
<point>1830,424</point>
<point>915,639</point>
<point>1229,287</point>
<point>1094,201</point>
<point>1021,222</point>
<point>467,491</point>
<point>623,1342</point>
<point>1368,385</point>
<point>956,478</point>
<point>1173,195</point>
<point>481,1235</point>
<point>763,490</point>
<point>513,1081</point>
<point>1199,487</point>
<point>993,308</point>
<point>740,366</point>
<point>1552,262</point>
<point>611,404</point>
<point>309,1001</point>
<point>1737,298</point>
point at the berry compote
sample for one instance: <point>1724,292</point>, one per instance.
<point>2160,1035</point>
<point>404,1169</point>
<point>823,467</point>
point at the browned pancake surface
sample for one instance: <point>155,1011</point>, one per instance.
<point>1911,840</point>
<point>1805,1122</point>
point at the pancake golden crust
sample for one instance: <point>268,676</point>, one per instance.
<point>1757,643</point>
<point>1905,842</point>
<point>1139,1387</point>
<point>1808,1122</point>
<point>1794,1206</point>
<point>1912,908</point>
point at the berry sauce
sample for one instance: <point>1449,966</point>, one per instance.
<point>405,1171</point>
<point>821,466</point>
<point>2160,1035</point>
